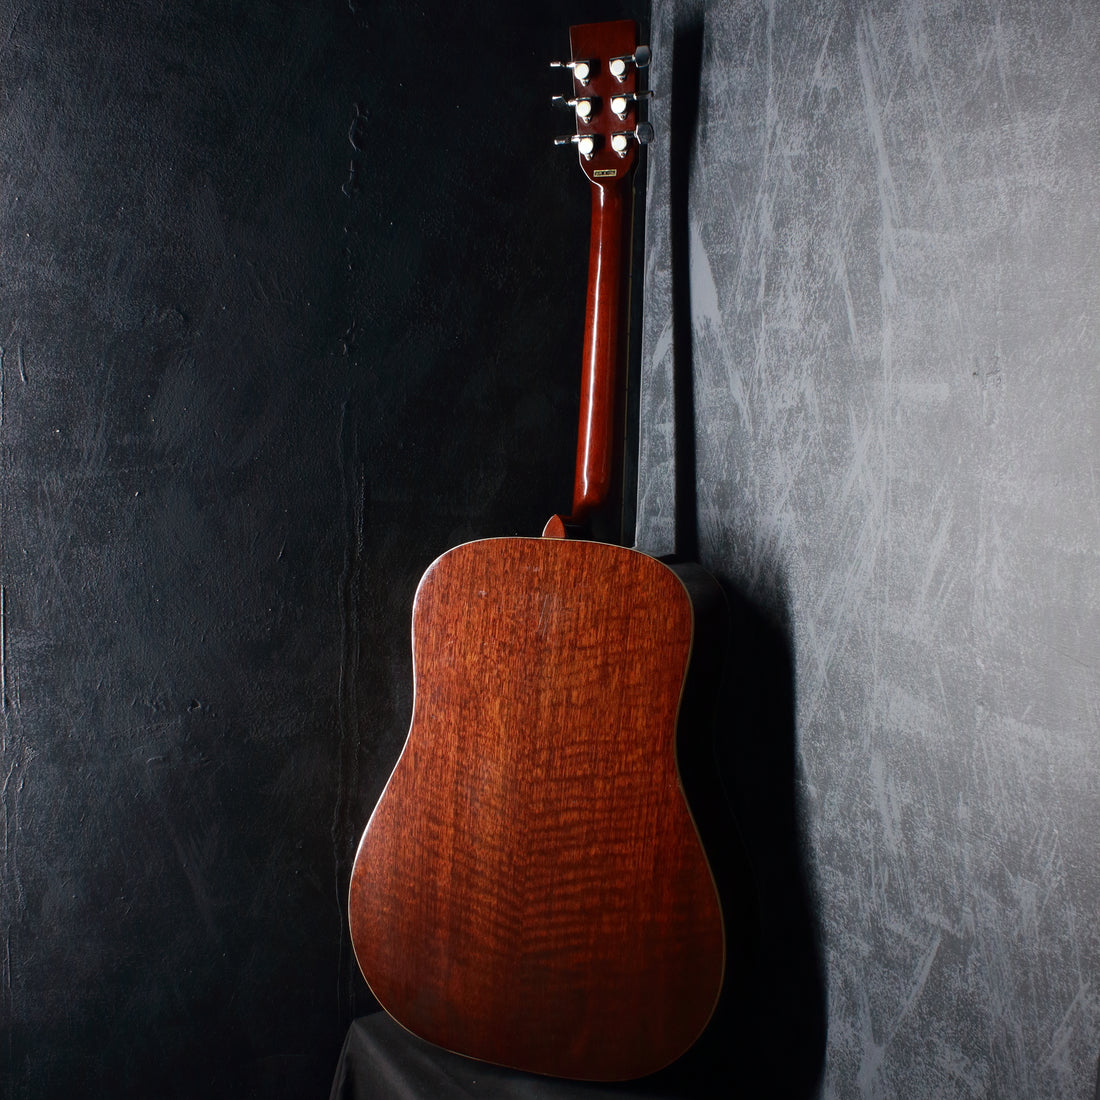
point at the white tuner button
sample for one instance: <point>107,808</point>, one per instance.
<point>582,70</point>
<point>586,143</point>
<point>620,143</point>
<point>619,104</point>
<point>583,105</point>
<point>617,66</point>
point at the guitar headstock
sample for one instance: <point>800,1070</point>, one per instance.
<point>606,94</point>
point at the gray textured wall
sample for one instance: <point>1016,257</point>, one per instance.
<point>895,283</point>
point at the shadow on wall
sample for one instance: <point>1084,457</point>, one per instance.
<point>768,1035</point>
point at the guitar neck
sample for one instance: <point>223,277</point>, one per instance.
<point>600,427</point>
<point>605,101</point>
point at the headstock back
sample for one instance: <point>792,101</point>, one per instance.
<point>605,62</point>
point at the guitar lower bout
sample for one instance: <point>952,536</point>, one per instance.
<point>531,889</point>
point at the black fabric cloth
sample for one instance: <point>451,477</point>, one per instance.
<point>382,1061</point>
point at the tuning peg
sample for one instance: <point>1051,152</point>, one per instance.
<point>582,70</point>
<point>621,139</point>
<point>583,105</point>
<point>640,58</point>
<point>585,143</point>
<point>620,103</point>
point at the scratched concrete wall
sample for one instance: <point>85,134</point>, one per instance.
<point>894,284</point>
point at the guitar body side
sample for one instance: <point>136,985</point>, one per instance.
<point>531,889</point>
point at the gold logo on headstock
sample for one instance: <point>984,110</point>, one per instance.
<point>602,173</point>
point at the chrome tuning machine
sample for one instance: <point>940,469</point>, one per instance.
<point>621,139</point>
<point>582,70</point>
<point>585,143</point>
<point>620,103</point>
<point>583,105</point>
<point>639,58</point>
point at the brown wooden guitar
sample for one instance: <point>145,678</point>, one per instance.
<point>531,889</point>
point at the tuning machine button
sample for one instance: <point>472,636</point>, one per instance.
<point>620,103</point>
<point>639,58</point>
<point>583,105</point>
<point>621,139</point>
<point>582,70</point>
<point>585,143</point>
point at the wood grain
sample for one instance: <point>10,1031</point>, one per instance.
<point>599,431</point>
<point>531,890</point>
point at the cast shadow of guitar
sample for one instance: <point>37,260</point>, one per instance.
<point>767,1037</point>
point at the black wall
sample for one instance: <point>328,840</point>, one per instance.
<point>290,302</point>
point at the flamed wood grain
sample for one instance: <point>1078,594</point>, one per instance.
<point>531,890</point>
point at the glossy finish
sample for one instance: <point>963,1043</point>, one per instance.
<point>599,431</point>
<point>531,889</point>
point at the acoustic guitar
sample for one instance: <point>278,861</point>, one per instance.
<point>531,889</point>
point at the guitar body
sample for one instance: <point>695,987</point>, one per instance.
<point>531,890</point>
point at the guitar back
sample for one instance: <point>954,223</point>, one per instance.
<point>530,889</point>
